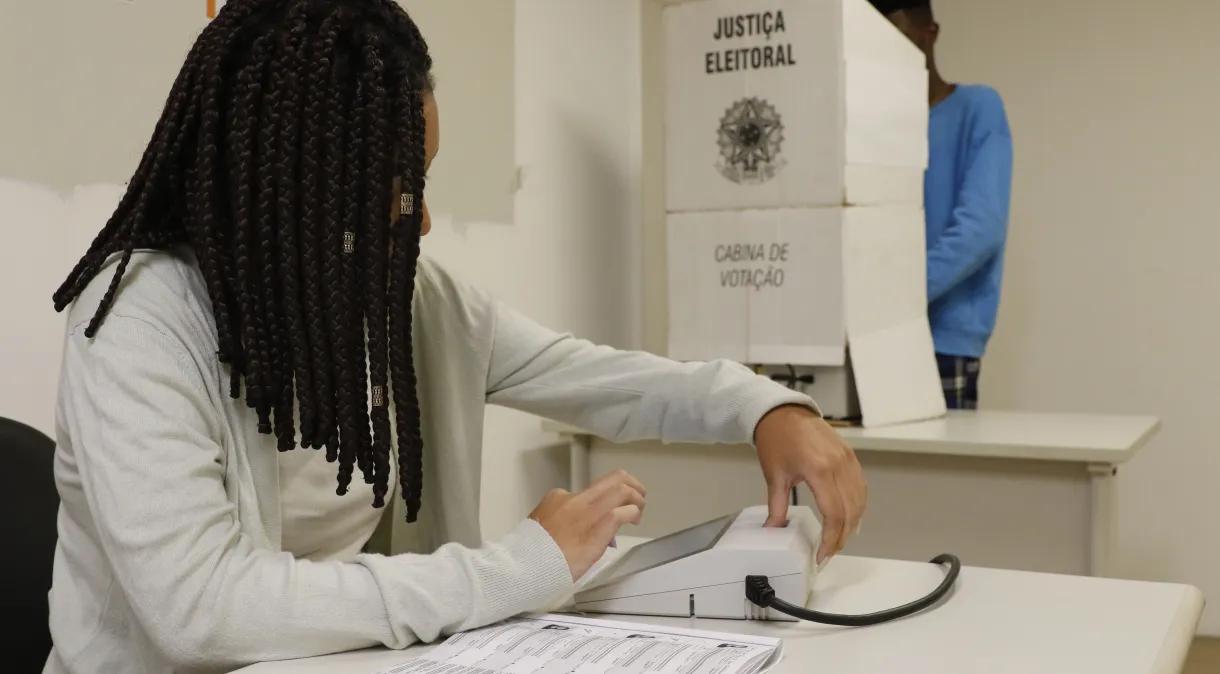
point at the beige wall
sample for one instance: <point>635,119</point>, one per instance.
<point>84,82</point>
<point>571,259</point>
<point>655,300</point>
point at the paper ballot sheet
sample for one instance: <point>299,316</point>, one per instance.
<point>561,644</point>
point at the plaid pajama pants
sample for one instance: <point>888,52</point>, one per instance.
<point>959,377</point>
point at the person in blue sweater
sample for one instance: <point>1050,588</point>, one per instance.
<point>966,200</point>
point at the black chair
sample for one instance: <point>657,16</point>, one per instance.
<point>31,503</point>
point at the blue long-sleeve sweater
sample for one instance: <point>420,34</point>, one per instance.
<point>966,199</point>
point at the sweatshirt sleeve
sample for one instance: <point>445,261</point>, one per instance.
<point>152,471</point>
<point>626,396</point>
<point>979,223</point>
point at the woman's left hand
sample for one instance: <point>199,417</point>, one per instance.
<point>797,446</point>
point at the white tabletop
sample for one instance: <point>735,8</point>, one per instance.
<point>1084,438</point>
<point>1095,438</point>
<point>1000,622</point>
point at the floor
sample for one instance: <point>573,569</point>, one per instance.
<point>1204,657</point>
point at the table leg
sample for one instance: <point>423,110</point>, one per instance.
<point>1101,517</point>
<point>578,461</point>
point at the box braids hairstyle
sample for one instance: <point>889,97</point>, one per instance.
<point>274,161</point>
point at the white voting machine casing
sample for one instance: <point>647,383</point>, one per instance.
<point>701,571</point>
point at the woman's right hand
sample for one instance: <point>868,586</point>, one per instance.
<point>584,524</point>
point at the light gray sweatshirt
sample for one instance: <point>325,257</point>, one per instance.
<point>169,555</point>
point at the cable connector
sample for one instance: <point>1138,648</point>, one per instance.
<point>759,590</point>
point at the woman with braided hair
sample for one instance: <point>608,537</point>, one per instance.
<point>258,294</point>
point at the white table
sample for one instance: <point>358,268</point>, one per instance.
<point>998,622</point>
<point>1096,439</point>
<point>1098,444</point>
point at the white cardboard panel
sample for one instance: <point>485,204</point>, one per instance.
<point>848,99</point>
<point>801,103</point>
<point>801,322</point>
<point>885,279</point>
<point>869,35</point>
<point>765,284</point>
<point>850,275</point>
<point>887,114</point>
<point>796,354</point>
<point>885,284</point>
<point>896,376</point>
<point>875,185</point>
<point>706,320</point>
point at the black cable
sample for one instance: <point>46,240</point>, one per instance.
<point>760,593</point>
<point>792,379</point>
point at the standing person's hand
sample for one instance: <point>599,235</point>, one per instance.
<point>797,446</point>
<point>584,524</point>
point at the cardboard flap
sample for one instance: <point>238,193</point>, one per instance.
<point>887,325</point>
<point>896,376</point>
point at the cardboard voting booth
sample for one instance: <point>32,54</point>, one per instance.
<point>796,142</point>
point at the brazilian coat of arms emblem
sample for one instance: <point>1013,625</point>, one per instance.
<point>751,137</point>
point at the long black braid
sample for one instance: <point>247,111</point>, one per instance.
<point>289,228</point>
<point>331,246</point>
<point>355,382</point>
<point>240,148</point>
<point>378,183</point>
<point>405,236</point>
<point>273,160</point>
<point>315,77</point>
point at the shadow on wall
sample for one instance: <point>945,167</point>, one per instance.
<point>608,198</point>
<point>43,234</point>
